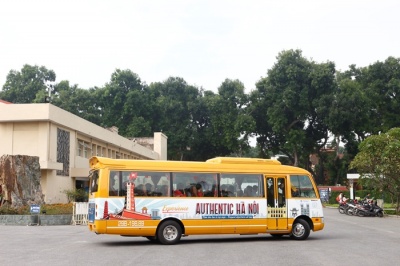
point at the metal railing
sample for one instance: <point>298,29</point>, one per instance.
<point>80,213</point>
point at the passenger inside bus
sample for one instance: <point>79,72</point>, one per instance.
<point>139,190</point>
<point>199,188</point>
<point>255,190</point>
<point>248,191</point>
<point>231,191</point>
<point>281,194</point>
<point>148,189</point>
<point>179,191</point>
<point>164,191</point>
<point>196,190</point>
<point>295,191</point>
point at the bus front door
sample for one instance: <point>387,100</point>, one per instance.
<point>276,203</point>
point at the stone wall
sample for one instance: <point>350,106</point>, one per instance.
<point>35,219</point>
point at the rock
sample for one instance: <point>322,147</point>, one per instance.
<point>20,180</point>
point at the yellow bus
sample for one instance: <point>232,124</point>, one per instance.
<point>165,200</point>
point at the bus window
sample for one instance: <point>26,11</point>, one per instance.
<point>94,181</point>
<point>194,185</point>
<point>301,186</point>
<point>270,192</point>
<point>281,192</point>
<point>113,183</point>
<point>146,183</point>
<point>240,185</point>
<point>153,184</point>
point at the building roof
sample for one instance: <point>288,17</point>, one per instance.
<point>47,112</point>
<point>5,102</point>
<point>335,188</point>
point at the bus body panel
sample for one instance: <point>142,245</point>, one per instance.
<point>274,211</point>
<point>200,215</point>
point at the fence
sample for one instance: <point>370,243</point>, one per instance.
<point>80,213</point>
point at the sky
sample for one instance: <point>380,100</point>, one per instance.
<point>204,42</point>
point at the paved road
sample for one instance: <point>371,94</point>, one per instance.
<point>346,240</point>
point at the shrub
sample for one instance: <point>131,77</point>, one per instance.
<point>52,209</point>
<point>77,195</point>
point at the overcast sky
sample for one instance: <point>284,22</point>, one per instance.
<point>204,42</point>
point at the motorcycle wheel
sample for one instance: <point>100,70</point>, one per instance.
<point>341,210</point>
<point>380,214</point>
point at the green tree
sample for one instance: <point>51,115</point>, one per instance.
<point>295,98</point>
<point>200,147</point>
<point>120,101</point>
<point>378,163</point>
<point>172,114</point>
<point>381,81</point>
<point>28,85</point>
<point>231,124</point>
<point>81,102</point>
<point>221,122</point>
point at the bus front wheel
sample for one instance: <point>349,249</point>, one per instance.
<point>300,230</point>
<point>169,233</point>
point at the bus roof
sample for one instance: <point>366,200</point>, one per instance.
<point>239,160</point>
<point>218,164</point>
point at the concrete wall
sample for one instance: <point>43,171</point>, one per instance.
<point>35,219</point>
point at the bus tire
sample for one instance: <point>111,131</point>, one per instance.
<point>169,233</point>
<point>300,230</point>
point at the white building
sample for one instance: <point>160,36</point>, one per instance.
<point>64,143</point>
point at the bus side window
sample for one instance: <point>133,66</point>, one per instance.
<point>281,192</point>
<point>113,184</point>
<point>139,190</point>
<point>270,192</point>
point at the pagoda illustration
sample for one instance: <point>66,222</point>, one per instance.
<point>130,211</point>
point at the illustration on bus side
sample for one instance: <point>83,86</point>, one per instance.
<point>156,208</point>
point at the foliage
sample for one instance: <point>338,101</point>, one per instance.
<point>295,99</point>
<point>7,209</point>
<point>221,123</point>
<point>56,209</point>
<point>28,85</point>
<point>78,101</point>
<point>77,195</point>
<point>173,108</point>
<point>378,162</point>
<point>293,111</point>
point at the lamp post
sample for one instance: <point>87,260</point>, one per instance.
<point>49,86</point>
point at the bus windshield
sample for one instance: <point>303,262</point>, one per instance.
<point>94,181</point>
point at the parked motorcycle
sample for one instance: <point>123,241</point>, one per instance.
<point>369,210</point>
<point>342,207</point>
<point>351,208</point>
<point>363,208</point>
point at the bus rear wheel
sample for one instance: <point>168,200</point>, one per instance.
<point>300,230</point>
<point>169,233</point>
